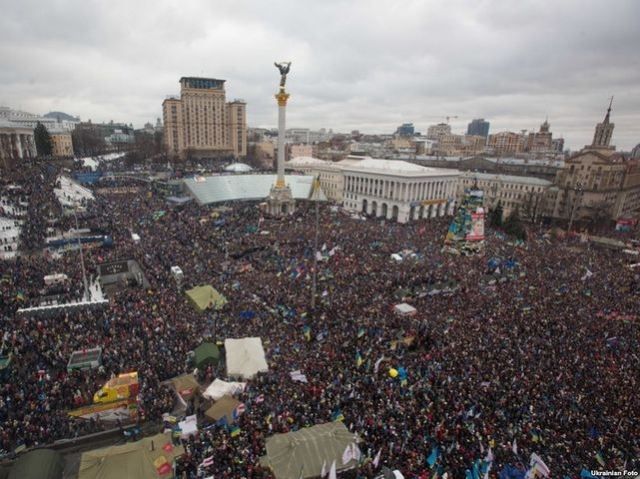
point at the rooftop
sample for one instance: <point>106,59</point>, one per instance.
<point>527,180</point>
<point>217,189</point>
<point>398,167</point>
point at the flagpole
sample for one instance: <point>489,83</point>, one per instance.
<point>314,280</point>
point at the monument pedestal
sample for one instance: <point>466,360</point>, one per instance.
<point>280,201</point>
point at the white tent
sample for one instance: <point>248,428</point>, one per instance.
<point>404,309</point>
<point>245,357</point>
<point>220,388</point>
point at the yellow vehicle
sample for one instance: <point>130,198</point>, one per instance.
<point>123,386</point>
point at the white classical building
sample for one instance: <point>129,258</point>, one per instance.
<point>390,189</point>
<point>399,190</point>
<point>16,144</point>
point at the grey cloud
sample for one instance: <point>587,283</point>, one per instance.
<point>366,65</point>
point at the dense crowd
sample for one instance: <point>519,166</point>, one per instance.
<point>541,357</point>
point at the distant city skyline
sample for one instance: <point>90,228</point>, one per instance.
<point>398,63</point>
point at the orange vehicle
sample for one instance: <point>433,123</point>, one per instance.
<point>121,387</point>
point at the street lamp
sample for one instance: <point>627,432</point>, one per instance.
<point>314,277</point>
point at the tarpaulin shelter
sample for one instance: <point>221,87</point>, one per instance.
<point>186,385</point>
<point>245,357</point>
<point>38,464</point>
<point>205,354</point>
<point>205,297</point>
<point>219,388</point>
<point>301,454</point>
<point>224,407</point>
<point>404,309</point>
<point>148,458</point>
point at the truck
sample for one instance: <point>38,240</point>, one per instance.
<point>123,386</point>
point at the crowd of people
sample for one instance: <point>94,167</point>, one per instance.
<point>541,357</point>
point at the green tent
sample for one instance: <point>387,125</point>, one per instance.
<point>205,354</point>
<point>302,453</point>
<point>38,464</point>
<point>148,458</point>
<point>205,297</point>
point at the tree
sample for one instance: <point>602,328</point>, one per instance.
<point>495,216</point>
<point>601,215</point>
<point>513,226</point>
<point>42,138</point>
<point>88,142</point>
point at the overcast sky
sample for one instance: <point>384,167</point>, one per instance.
<point>367,65</point>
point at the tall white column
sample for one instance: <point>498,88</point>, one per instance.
<point>282,113</point>
<point>282,98</point>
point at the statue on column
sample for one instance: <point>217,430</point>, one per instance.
<point>284,68</point>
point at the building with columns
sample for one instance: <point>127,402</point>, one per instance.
<point>390,189</point>
<point>16,144</point>
<point>398,190</point>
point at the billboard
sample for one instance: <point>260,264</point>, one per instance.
<point>476,232</point>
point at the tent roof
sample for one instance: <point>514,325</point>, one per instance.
<point>404,308</point>
<point>219,388</point>
<point>206,352</point>
<point>135,459</point>
<point>302,453</point>
<point>205,297</point>
<point>38,464</point>
<point>223,407</point>
<point>245,357</point>
<point>185,382</point>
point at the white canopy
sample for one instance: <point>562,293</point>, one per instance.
<point>189,426</point>
<point>220,388</point>
<point>245,357</point>
<point>404,309</point>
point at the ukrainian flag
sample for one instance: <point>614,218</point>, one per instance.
<point>359,359</point>
<point>235,431</point>
<point>337,416</point>
<point>535,435</point>
<point>306,330</point>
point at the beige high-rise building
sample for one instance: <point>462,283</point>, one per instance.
<point>506,143</point>
<point>201,123</point>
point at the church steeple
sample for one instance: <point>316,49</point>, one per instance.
<point>604,131</point>
<point>606,117</point>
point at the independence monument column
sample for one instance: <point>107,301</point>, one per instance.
<point>280,200</point>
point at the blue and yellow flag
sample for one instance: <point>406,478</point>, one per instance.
<point>337,416</point>
<point>359,359</point>
<point>306,331</point>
